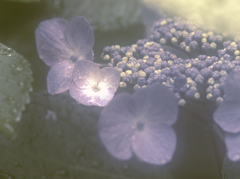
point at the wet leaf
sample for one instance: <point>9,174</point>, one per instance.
<point>102,14</point>
<point>58,138</point>
<point>15,80</point>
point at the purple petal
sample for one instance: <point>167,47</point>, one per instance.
<point>88,97</point>
<point>232,86</point>
<point>59,77</point>
<point>51,45</point>
<point>109,79</point>
<point>85,74</point>
<point>233,146</point>
<point>93,86</point>
<point>155,144</point>
<point>227,116</point>
<point>156,103</point>
<point>79,35</point>
<point>115,126</point>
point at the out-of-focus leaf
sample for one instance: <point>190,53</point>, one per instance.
<point>230,170</point>
<point>58,138</point>
<point>15,84</point>
<point>102,14</point>
<point>25,1</point>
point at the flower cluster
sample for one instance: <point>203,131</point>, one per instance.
<point>67,48</point>
<point>179,55</point>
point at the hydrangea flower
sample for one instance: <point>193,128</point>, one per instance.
<point>227,115</point>
<point>92,85</point>
<point>140,124</point>
<point>60,44</point>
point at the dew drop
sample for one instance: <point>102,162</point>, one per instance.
<point>6,176</point>
<point>19,68</point>
<point>6,51</point>
<point>14,110</point>
<point>11,100</point>
<point>104,79</point>
<point>9,127</point>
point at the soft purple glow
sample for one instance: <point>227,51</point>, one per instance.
<point>60,44</point>
<point>92,85</point>
<point>140,125</point>
<point>232,86</point>
<point>227,115</point>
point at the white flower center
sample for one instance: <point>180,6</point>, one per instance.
<point>96,88</point>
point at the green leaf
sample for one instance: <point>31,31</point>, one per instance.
<point>24,1</point>
<point>230,170</point>
<point>15,79</point>
<point>58,138</point>
<point>102,14</point>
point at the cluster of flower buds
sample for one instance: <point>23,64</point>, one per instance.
<point>179,55</point>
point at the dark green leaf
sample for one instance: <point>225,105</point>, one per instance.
<point>15,80</point>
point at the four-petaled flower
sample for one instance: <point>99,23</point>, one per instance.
<point>227,115</point>
<point>140,125</point>
<point>60,44</point>
<point>92,85</point>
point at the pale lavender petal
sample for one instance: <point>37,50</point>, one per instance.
<point>85,74</point>
<point>154,144</point>
<point>79,35</point>
<point>82,96</point>
<point>109,79</point>
<point>115,126</point>
<point>59,77</point>
<point>93,86</point>
<point>227,116</point>
<point>87,96</point>
<point>51,44</point>
<point>156,103</point>
<point>86,54</point>
<point>233,146</point>
<point>232,86</point>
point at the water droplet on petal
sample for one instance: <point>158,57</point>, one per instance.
<point>104,79</point>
